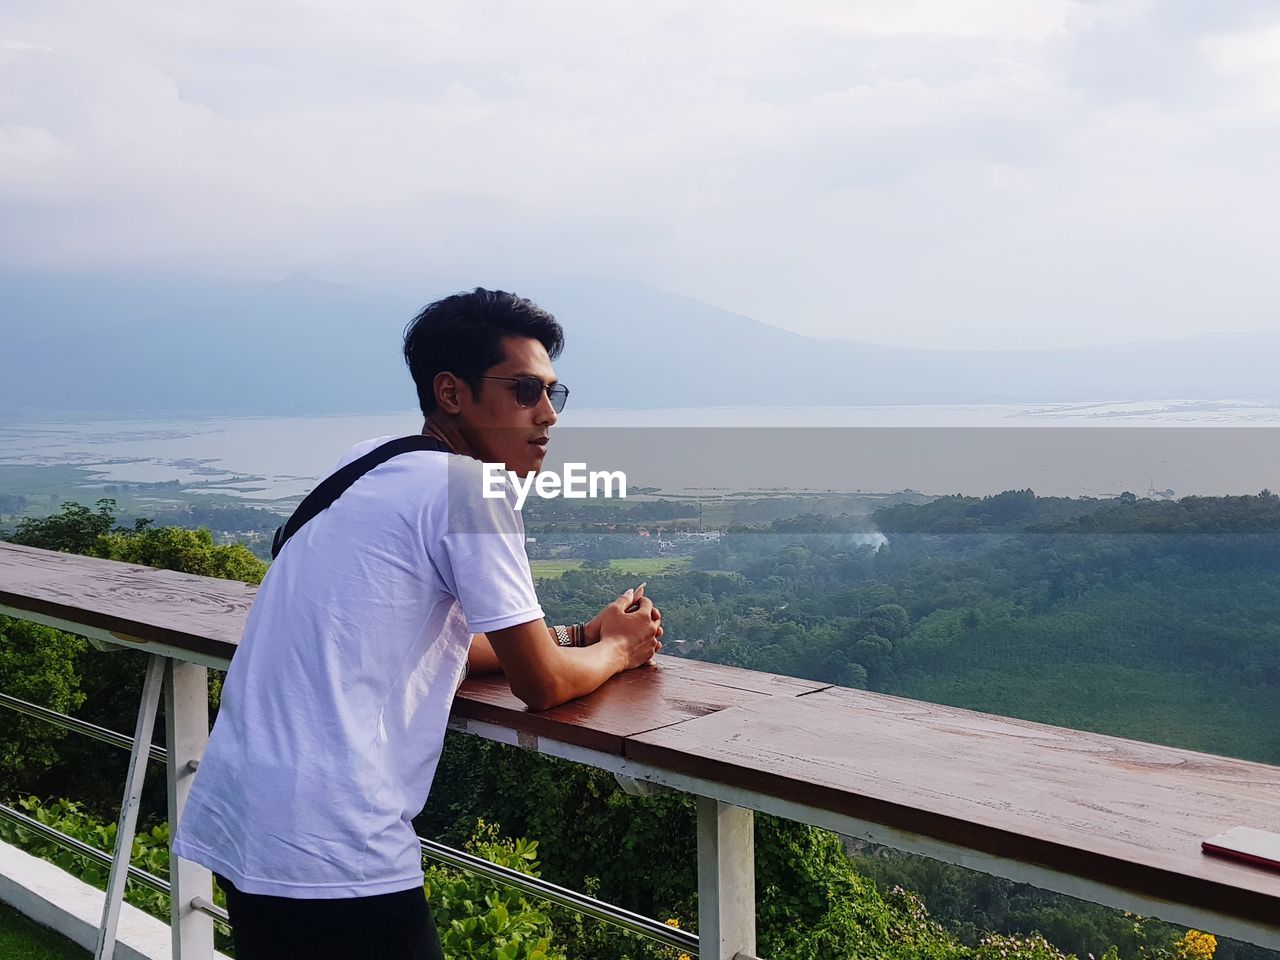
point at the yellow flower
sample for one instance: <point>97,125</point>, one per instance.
<point>673,922</point>
<point>1196,946</point>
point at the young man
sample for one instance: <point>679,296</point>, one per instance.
<point>334,709</point>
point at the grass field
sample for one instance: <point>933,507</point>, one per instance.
<point>637,566</point>
<point>20,939</point>
<point>550,569</point>
<point>650,566</point>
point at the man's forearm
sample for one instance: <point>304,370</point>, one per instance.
<point>482,659</point>
<point>578,671</point>
<point>541,672</point>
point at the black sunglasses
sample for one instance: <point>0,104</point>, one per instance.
<point>529,391</point>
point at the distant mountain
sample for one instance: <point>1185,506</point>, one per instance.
<point>120,345</point>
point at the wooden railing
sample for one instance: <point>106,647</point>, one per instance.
<point>1115,821</point>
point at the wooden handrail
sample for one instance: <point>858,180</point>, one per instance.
<point>1101,817</point>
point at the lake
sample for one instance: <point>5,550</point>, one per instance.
<point>1098,448</point>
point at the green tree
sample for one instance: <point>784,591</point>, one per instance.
<point>174,548</point>
<point>77,529</point>
<point>37,664</point>
<point>73,529</point>
<point>889,620</point>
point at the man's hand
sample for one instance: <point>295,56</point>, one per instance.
<point>631,624</point>
<point>543,674</point>
<point>593,627</point>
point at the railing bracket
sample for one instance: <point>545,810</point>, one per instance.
<point>640,788</point>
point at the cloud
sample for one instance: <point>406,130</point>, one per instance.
<point>10,44</point>
<point>1002,172</point>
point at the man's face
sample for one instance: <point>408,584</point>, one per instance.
<point>497,427</point>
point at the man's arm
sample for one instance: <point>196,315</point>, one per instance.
<point>480,657</point>
<point>544,674</point>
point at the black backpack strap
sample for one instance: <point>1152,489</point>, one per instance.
<point>334,485</point>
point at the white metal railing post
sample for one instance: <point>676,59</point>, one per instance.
<point>726,881</point>
<point>106,945</point>
<point>186,727</point>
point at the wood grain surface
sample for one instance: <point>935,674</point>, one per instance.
<point>673,690</point>
<point>1120,811</point>
<point>201,614</point>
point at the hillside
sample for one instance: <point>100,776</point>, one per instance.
<point>149,346</point>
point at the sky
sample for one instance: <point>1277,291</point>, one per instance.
<point>945,173</point>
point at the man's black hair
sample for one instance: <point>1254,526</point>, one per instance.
<point>463,335</point>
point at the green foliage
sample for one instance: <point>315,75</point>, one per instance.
<point>971,905</point>
<point>576,813</point>
<point>1011,510</point>
<point>191,551</point>
<point>150,851</point>
<point>587,937</point>
<point>1003,947</point>
<point>1188,515</point>
<point>77,529</point>
<point>226,518</point>
<point>812,905</point>
<point>37,664</point>
<point>73,529</point>
<point>478,921</point>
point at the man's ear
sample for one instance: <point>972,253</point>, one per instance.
<point>446,386</point>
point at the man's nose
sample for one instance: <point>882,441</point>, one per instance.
<point>546,413</point>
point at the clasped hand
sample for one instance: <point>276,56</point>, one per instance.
<point>632,623</point>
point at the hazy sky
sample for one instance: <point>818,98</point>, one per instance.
<point>943,172</point>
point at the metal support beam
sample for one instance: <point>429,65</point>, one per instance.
<point>106,946</point>
<point>186,727</point>
<point>726,881</point>
<point>76,726</point>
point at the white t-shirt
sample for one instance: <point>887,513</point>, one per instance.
<point>334,709</point>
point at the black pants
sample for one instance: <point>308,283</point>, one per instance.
<point>392,926</point>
